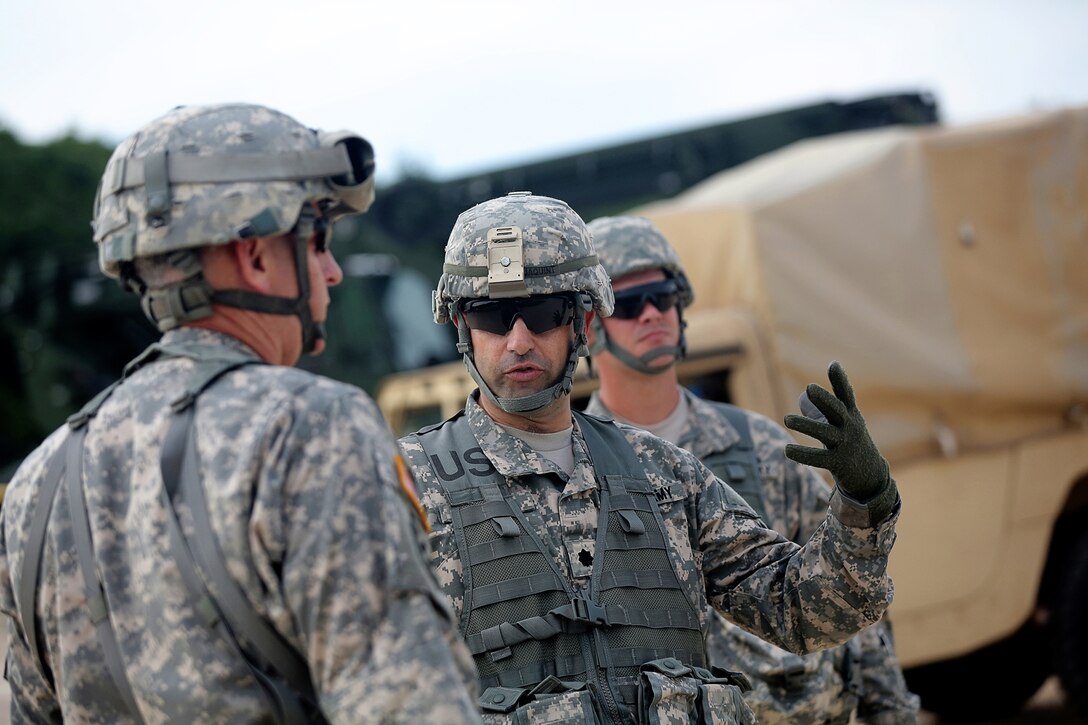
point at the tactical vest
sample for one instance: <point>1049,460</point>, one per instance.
<point>526,625</point>
<point>281,673</point>
<point>737,465</point>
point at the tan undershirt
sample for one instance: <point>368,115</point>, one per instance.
<point>556,447</point>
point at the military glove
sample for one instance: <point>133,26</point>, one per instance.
<point>850,454</point>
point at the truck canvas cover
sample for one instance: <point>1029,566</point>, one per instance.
<point>947,268</point>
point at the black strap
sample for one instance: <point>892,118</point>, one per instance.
<point>97,606</point>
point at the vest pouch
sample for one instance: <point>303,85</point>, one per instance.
<point>722,703</point>
<point>671,692</point>
<point>574,706</point>
<point>550,701</point>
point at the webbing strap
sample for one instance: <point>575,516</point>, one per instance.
<point>27,595</point>
<point>578,616</point>
<point>227,610</point>
<point>96,599</point>
<point>738,465</point>
<point>517,588</point>
<point>565,667</point>
<point>500,549</point>
<point>611,453</point>
<point>128,173</point>
<point>571,265</point>
<point>34,546</point>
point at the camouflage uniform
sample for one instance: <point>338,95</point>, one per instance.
<point>307,511</point>
<point>723,555</point>
<point>787,688</point>
<point>305,496</point>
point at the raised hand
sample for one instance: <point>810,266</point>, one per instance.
<point>849,452</point>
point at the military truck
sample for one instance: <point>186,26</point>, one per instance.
<point>947,268</point>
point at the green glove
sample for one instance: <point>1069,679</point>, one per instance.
<point>850,454</point>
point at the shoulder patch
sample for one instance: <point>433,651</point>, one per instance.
<point>408,487</point>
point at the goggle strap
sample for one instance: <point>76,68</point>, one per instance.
<point>572,265</point>
<point>128,173</point>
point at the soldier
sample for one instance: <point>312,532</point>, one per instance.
<point>634,353</point>
<point>581,556</point>
<point>219,537</point>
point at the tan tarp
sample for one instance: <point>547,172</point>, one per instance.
<point>947,268</point>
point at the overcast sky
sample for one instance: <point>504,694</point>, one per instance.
<point>455,87</point>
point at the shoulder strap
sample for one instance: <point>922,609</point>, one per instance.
<point>739,421</point>
<point>34,545</point>
<point>611,453</point>
<point>222,604</point>
<point>739,466</point>
<point>180,475</point>
<point>27,595</point>
<point>98,609</point>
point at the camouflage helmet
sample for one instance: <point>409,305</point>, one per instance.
<point>206,175</point>
<point>516,246</point>
<point>628,244</point>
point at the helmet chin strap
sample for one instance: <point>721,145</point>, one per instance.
<point>543,398</point>
<point>641,363</point>
<point>299,306</point>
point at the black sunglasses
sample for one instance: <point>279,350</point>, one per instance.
<point>630,302</point>
<point>539,313</point>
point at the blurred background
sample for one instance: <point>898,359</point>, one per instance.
<point>606,105</point>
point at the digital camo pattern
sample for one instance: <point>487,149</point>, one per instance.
<point>553,234</point>
<point>628,244</point>
<point>303,495</point>
<point>204,214</point>
<point>803,599</point>
<point>796,501</point>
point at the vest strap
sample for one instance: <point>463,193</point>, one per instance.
<point>578,616</point>
<point>738,465</point>
<point>290,695</point>
<point>96,596</point>
<point>27,595</point>
<point>204,571</point>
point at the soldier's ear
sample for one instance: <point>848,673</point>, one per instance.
<point>255,262</point>
<point>591,334</point>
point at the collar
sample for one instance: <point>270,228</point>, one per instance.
<point>513,458</point>
<point>204,338</point>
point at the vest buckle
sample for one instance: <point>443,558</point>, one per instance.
<point>589,612</point>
